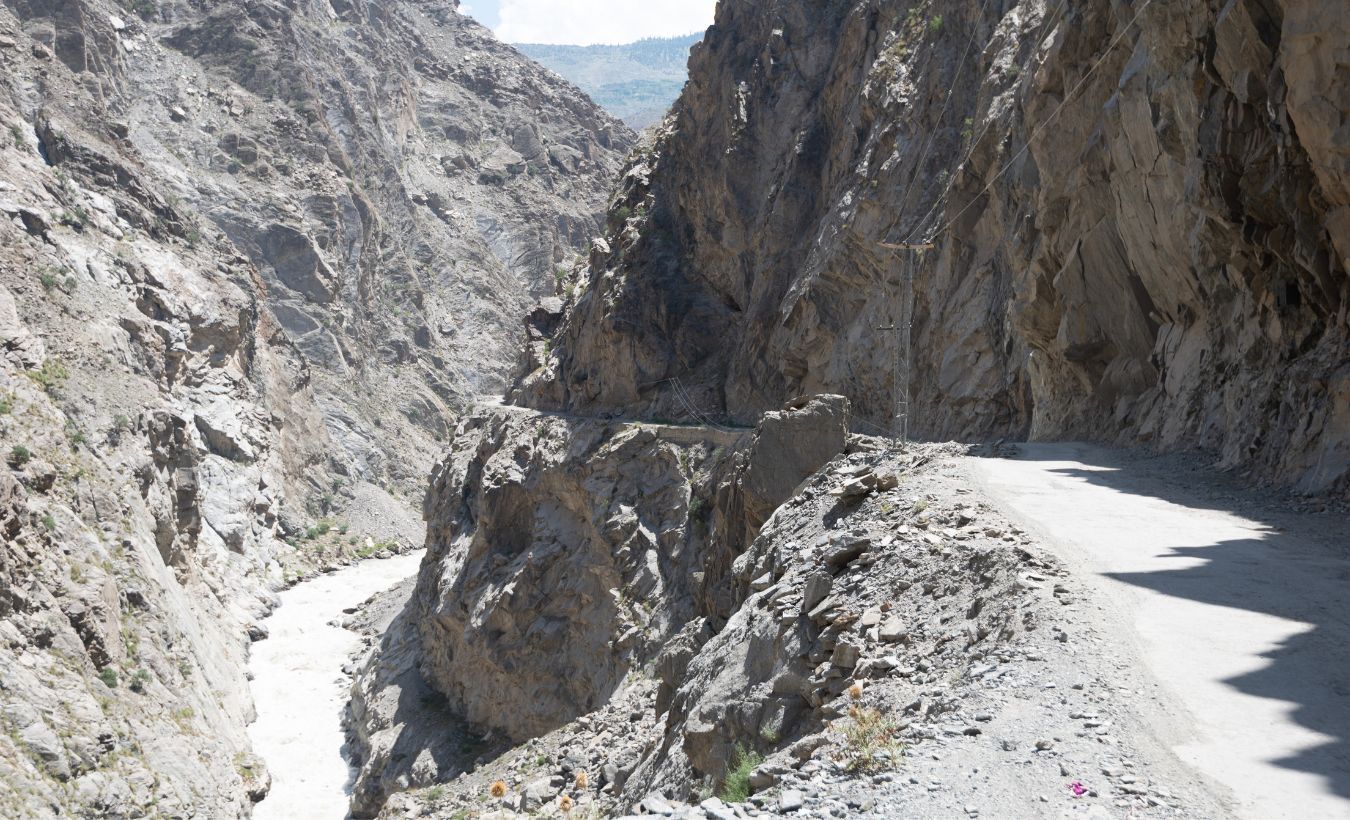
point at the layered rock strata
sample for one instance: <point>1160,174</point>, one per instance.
<point>1137,218</point>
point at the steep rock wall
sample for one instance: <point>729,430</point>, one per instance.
<point>1138,216</point>
<point>404,183</point>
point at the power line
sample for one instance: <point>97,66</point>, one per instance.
<point>932,136</point>
<point>1041,128</point>
<point>988,126</point>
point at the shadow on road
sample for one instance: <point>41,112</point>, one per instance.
<point>1296,568</point>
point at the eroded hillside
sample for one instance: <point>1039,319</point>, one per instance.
<point>254,260</point>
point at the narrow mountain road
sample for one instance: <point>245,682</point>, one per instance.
<point>300,691</point>
<point>1237,608</point>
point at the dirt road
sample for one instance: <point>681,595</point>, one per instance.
<point>1239,610</point>
<point>300,691</point>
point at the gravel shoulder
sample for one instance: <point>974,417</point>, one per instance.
<point>1225,609</point>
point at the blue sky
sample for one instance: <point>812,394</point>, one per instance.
<point>586,22</point>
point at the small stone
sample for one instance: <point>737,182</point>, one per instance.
<point>790,800</point>
<point>845,655</point>
<point>1044,745</point>
<point>893,631</point>
<point>656,804</point>
<point>817,588</point>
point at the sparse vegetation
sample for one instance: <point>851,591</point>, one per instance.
<point>16,133</point>
<point>49,522</point>
<point>48,281</point>
<point>870,742</point>
<point>374,547</point>
<point>51,376</point>
<point>109,677</point>
<point>20,455</point>
<point>120,425</point>
<point>75,217</point>
<point>139,679</point>
<point>6,403</point>
<point>736,785</point>
<point>935,24</point>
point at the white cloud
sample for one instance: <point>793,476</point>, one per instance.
<point>585,22</point>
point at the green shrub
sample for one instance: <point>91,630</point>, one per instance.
<point>20,455</point>
<point>935,24</point>
<point>109,677</point>
<point>49,522</point>
<point>51,375</point>
<point>736,785</point>
<point>17,133</point>
<point>49,281</point>
<point>6,404</point>
<point>139,680</point>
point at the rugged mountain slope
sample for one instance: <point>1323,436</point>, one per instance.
<point>1138,210</point>
<point>637,82</point>
<point>1137,214</point>
<point>253,256</point>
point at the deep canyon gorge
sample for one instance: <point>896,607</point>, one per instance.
<point>293,289</point>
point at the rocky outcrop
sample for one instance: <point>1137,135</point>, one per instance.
<point>561,555</point>
<point>1137,216</point>
<point>567,559</point>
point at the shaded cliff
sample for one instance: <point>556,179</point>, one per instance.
<point>1138,218</point>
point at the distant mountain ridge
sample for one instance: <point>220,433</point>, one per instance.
<point>636,82</point>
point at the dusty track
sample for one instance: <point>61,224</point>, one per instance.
<point>1237,607</point>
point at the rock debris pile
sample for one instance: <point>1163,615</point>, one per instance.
<point>895,648</point>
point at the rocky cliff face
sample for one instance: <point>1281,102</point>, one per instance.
<point>1123,221</point>
<point>253,258</point>
<point>1137,215</point>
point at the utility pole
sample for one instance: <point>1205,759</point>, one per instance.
<point>904,329</point>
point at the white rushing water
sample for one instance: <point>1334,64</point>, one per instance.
<point>300,691</point>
